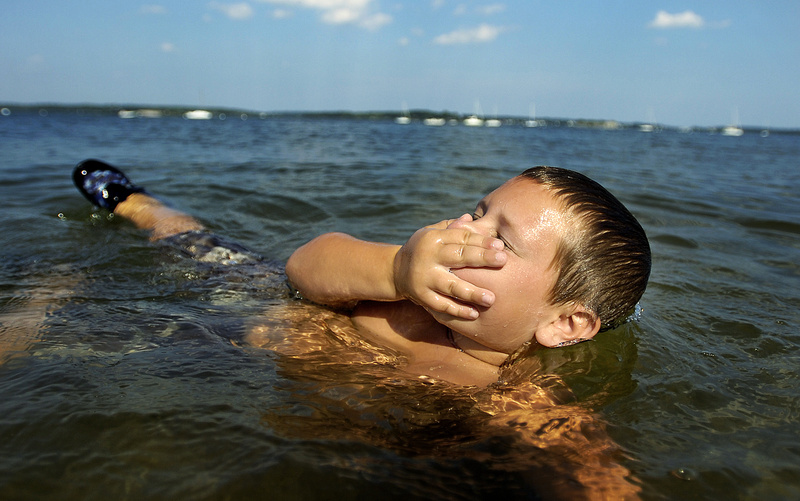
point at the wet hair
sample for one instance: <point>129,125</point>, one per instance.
<point>603,261</point>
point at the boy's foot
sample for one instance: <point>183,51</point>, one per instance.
<point>103,185</point>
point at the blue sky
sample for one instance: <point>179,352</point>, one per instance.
<point>675,62</point>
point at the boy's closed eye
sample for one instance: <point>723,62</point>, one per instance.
<point>477,215</point>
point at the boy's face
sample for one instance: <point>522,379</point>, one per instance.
<point>531,223</point>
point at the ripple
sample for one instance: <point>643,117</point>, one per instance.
<point>675,241</point>
<point>770,225</point>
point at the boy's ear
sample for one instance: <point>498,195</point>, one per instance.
<point>573,322</point>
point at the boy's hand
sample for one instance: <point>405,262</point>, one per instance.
<point>422,268</point>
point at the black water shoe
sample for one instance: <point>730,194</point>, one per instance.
<point>103,185</point>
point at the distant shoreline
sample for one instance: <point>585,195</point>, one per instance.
<point>413,115</point>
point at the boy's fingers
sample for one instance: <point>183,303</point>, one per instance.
<point>442,225</point>
<point>460,256</point>
<point>442,305</point>
<point>461,247</point>
<point>452,296</point>
<point>462,236</point>
<point>470,238</point>
<point>468,293</point>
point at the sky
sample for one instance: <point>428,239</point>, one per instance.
<point>680,63</point>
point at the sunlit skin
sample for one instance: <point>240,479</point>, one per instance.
<point>530,224</point>
<point>162,220</point>
<point>486,277</point>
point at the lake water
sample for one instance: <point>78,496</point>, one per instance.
<point>125,379</point>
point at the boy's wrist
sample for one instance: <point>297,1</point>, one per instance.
<point>395,273</point>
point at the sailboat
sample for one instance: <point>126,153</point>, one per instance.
<point>403,119</point>
<point>733,130</point>
<point>198,115</point>
<point>434,121</point>
<point>475,120</point>
<point>531,121</point>
<point>494,122</point>
<point>649,126</point>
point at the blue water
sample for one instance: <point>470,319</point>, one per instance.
<point>124,374</point>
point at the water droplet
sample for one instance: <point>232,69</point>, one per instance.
<point>684,474</point>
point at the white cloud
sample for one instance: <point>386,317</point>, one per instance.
<point>375,21</point>
<point>341,15</point>
<point>482,10</point>
<point>167,47</point>
<point>359,12</point>
<point>281,13</point>
<point>481,34</point>
<point>488,10</point>
<point>686,19</point>
<point>153,9</point>
<point>237,11</point>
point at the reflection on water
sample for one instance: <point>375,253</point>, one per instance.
<point>131,371</point>
<point>136,391</point>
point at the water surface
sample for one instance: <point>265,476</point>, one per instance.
<point>135,386</point>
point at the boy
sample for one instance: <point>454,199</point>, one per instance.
<point>547,259</point>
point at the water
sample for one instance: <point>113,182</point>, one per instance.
<point>125,377</point>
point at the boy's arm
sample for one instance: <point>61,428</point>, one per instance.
<point>338,270</point>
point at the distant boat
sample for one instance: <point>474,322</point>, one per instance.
<point>493,122</point>
<point>733,130</point>
<point>139,113</point>
<point>651,120</point>
<point>198,115</point>
<point>473,121</point>
<point>434,122</point>
<point>531,121</point>
<point>403,119</point>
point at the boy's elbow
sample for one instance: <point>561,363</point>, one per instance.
<point>308,261</point>
<point>292,269</point>
<point>298,264</point>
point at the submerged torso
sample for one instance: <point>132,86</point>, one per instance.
<point>400,333</point>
